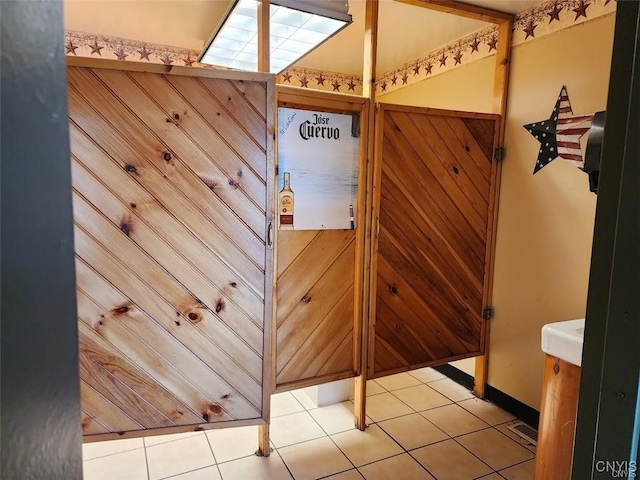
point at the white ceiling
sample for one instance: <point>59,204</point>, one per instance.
<point>405,32</point>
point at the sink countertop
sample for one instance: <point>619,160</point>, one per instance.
<point>564,340</point>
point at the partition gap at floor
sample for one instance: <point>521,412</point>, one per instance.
<point>421,423</point>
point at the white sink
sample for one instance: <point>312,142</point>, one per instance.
<point>564,340</point>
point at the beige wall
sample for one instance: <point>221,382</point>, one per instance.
<point>545,223</point>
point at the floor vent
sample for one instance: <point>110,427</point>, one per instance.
<point>525,431</point>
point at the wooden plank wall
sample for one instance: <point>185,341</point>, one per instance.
<point>435,175</point>
<point>315,305</point>
<point>170,188</point>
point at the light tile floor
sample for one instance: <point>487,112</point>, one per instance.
<point>421,426</point>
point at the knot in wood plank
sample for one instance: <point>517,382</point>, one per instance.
<point>131,168</point>
<point>126,225</point>
<point>219,306</point>
<point>120,310</point>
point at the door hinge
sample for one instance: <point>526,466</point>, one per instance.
<point>498,154</point>
<point>487,313</point>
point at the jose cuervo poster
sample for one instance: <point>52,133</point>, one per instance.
<point>317,170</point>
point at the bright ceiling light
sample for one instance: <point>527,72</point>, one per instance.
<point>296,28</point>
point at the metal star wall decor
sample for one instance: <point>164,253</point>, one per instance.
<point>570,129</point>
<point>545,133</point>
<point>560,134</point>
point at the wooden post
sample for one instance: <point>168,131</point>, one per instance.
<point>368,91</point>
<point>500,91</point>
<point>264,447</point>
<point>263,36</point>
<point>557,419</point>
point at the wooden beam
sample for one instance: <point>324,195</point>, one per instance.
<point>264,447</point>
<point>461,9</point>
<point>500,91</point>
<point>127,66</point>
<point>370,52</point>
<point>264,32</point>
<point>502,67</point>
<point>368,91</point>
<point>263,36</point>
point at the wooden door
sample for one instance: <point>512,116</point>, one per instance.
<point>435,175</point>
<point>318,320</point>
<point>172,181</point>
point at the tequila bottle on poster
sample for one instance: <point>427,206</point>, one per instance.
<point>286,204</point>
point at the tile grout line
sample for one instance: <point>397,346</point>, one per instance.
<point>373,422</point>
<point>170,441</point>
<point>275,450</point>
<point>189,471</point>
<point>515,465</point>
<point>404,450</point>
<point>328,436</point>
<point>112,454</point>
<point>146,460</point>
<point>413,411</point>
<point>213,453</point>
<point>450,437</point>
<point>492,469</point>
<point>408,451</point>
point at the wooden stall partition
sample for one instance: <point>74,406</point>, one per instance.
<point>173,181</point>
<point>318,320</point>
<point>434,174</point>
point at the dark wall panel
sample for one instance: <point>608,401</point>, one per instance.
<point>40,398</point>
